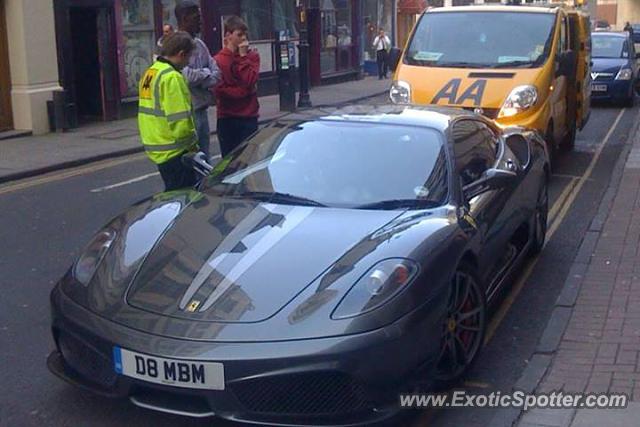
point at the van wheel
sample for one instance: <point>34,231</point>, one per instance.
<point>569,141</point>
<point>551,146</point>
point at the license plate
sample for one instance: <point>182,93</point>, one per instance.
<point>598,88</point>
<point>173,372</point>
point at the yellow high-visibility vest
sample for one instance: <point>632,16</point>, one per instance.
<point>165,118</point>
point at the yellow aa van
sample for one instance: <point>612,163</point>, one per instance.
<point>520,65</point>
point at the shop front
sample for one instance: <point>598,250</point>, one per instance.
<point>104,46</point>
<point>6,117</point>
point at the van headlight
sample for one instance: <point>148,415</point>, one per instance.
<point>520,99</point>
<point>624,74</point>
<point>400,92</point>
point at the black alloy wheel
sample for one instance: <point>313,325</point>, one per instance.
<point>540,219</point>
<point>464,327</point>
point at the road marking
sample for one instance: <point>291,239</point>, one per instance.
<point>123,183</point>
<point>58,176</point>
<point>134,180</point>
<point>560,200</point>
<point>517,287</point>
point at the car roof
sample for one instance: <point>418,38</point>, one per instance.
<point>434,117</point>
<point>484,8</point>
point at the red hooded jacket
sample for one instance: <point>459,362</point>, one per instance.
<point>236,94</point>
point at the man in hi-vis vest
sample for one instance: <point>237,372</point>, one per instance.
<point>165,117</point>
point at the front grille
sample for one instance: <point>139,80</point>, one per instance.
<point>318,393</point>
<point>86,361</point>
<point>603,77</point>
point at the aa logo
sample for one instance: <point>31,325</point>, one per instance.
<point>145,83</point>
<point>450,93</point>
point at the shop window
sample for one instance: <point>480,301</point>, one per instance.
<point>284,17</point>
<point>138,43</point>
<point>377,14</point>
<point>257,15</point>
<point>337,38</point>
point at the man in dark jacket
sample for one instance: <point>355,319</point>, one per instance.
<point>236,95</point>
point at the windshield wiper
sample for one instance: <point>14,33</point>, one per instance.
<point>285,198</point>
<point>400,203</point>
<point>460,65</point>
<point>513,64</point>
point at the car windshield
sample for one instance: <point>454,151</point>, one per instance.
<point>337,164</point>
<point>481,39</point>
<point>607,46</point>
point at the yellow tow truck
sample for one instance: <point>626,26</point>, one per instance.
<point>519,65</point>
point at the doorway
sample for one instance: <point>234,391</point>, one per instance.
<point>94,69</point>
<point>6,116</point>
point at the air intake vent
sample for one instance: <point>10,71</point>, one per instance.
<point>489,75</point>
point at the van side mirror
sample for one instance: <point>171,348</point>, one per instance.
<point>637,55</point>
<point>394,58</point>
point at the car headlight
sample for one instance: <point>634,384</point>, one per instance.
<point>400,92</point>
<point>86,266</point>
<point>624,74</point>
<point>520,99</point>
<point>378,285</point>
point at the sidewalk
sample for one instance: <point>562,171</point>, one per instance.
<point>34,155</point>
<point>592,341</point>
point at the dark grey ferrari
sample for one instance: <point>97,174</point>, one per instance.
<point>332,261</point>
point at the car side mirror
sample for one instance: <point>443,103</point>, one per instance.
<point>637,55</point>
<point>394,58</point>
<point>491,179</point>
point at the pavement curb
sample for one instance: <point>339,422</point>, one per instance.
<point>554,330</point>
<point>135,150</point>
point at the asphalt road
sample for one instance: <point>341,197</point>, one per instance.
<point>47,220</point>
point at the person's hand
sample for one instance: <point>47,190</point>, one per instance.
<point>243,48</point>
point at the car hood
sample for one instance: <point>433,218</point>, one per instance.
<point>608,65</point>
<point>200,267</point>
<point>237,260</point>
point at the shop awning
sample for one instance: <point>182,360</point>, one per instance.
<point>411,7</point>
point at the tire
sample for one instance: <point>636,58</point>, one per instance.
<point>463,328</point>
<point>569,141</point>
<point>630,101</point>
<point>551,146</point>
<point>540,218</point>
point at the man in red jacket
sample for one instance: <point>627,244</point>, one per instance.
<point>236,94</point>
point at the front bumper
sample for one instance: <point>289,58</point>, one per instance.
<point>347,380</point>
<point>615,90</point>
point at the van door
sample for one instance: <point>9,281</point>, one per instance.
<point>581,42</point>
<point>559,94</point>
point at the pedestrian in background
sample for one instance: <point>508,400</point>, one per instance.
<point>628,28</point>
<point>382,44</point>
<point>237,93</point>
<point>202,73</point>
<point>165,116</point>
<point>167,30</point>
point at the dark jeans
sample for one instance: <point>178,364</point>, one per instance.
<point>201,119</point>
<point>233,130</point>
<point>176,175</point>
<point>383,63</point>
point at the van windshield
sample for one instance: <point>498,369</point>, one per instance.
<point>482,40</point>
<point>605,46</point>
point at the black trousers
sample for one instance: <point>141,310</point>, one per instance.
<point>233,130</point>
<point>176,175</point>
<point>383,63</point>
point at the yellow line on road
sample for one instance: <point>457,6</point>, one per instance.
<point>57,176</point>
<point>565,206</point>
